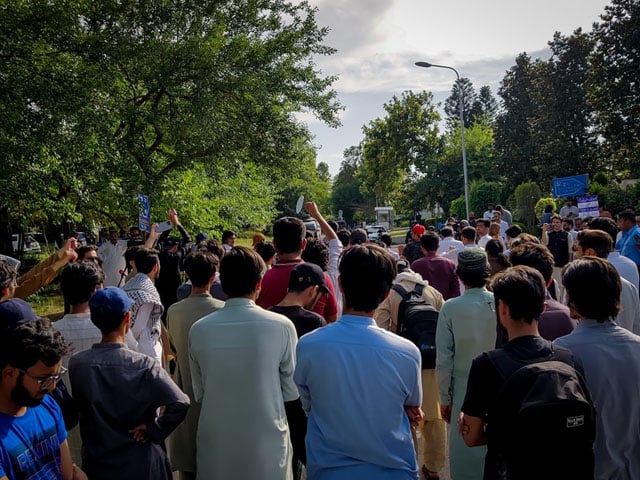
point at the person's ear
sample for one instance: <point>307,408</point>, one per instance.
<point>503,309</point>
<point>127,321</point>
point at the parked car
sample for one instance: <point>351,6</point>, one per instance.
<point>30,244</point>
<point>374,232</point>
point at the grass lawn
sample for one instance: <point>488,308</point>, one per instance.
<point>48,303</point>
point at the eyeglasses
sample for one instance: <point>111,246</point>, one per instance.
<point>48,381</point>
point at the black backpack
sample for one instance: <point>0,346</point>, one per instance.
<point>417,321</point>
<point>543,425</point>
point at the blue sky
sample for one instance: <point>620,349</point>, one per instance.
<point>378,42</point>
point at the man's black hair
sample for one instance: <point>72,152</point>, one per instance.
<point>366,274</point>
<point>266,250</point>
<point>606,225</point>
<point>344,236</point>
<point>288,234</point>
<point>227,234</point>
<point>446,232</point>
<point>30,342</point>
<point>593,288</point>
<point>145,259</point>
<point>316,252</point>
<point>83,250</point>
<point>200,266</point>
<point>523,289</point>
<point>430,241</point>
<point>386,239</point>
<point>212,246</point>
<point>598,240</point>
<point>241,269</point>
<point>631,216</point>
<point>78,281</point>
<point>469,233</point>
<point>513,231</point>
<point>533,255</point>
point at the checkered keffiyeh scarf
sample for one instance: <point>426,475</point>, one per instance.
<point>141,290</point>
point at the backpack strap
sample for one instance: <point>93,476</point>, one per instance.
<point>506,365</point>
<point>400,290</point>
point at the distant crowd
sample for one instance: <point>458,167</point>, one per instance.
<point>327,355</point>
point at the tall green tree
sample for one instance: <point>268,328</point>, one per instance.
<point>560,121</point>
<point>485,107</point>
<point>405,140</point>
<point>614,90</point>
<point>465,88</point>
<point>514,144</point>
<point>346,194</point>
<point>103,99</point>
<point>446,180</point>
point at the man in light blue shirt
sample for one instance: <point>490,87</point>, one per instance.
<point>360,384</point>
<point>610,356</point>
<point>629,243</point>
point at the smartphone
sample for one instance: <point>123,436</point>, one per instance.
<point>164,226</point>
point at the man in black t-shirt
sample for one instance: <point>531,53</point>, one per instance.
<point>306,285</point>
<point>519,294</point>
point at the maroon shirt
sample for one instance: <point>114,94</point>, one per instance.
<point>440,272</point>
<point>276,281</point>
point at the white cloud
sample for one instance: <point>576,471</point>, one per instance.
<point>378,42</point>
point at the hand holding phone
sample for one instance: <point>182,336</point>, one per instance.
<point>164,226</point>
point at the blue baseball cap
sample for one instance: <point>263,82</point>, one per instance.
<point>15,311</point>
<point>112,299</point>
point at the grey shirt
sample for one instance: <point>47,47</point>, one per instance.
<point>610,356</point>
<point>117,389</point>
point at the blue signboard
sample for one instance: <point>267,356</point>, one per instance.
<point>144,215</point>
<point>570,186</point>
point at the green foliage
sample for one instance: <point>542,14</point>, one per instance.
<point>514,144</point>
<point>346,194</point>
<point>482,193</point>
<point>527,195</point>
<point>404,140</point>
<point>101,100</point>
<point>458,207</point>
<point>614,90</point>
<point>452,103</point>
<point>616,199</point>
<point>445,182</point>
<point>542,203</point>
<point>485,108</point>
<point>600,178</point>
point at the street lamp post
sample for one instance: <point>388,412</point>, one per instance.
<point>464,150</point>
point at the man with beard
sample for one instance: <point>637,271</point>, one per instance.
<point>33,443</point>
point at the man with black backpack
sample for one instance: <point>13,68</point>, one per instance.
<point>528,401</point>
<point>411,310</point>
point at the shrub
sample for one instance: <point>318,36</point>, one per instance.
<point>527,194</point>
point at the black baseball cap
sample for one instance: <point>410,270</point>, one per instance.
<point>306,275</point>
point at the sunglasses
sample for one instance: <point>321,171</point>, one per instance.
<point>48,381</point>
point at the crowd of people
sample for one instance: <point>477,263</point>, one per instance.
<point>299,355</point>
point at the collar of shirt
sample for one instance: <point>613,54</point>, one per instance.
<point>109,345</point>
<point>357,320</point>
<point>287,264</point>
<point>238,301</point>
<point>588,323</point>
